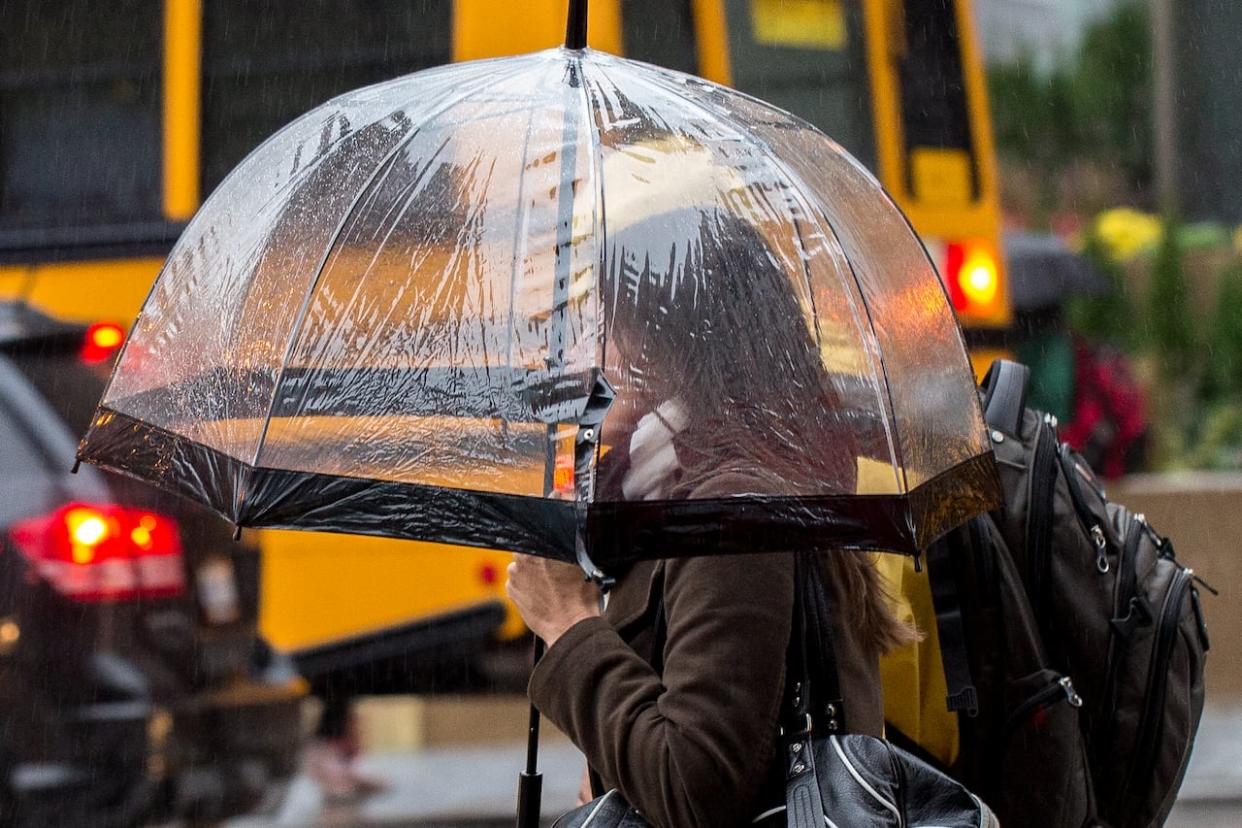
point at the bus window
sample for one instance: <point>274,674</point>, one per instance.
<point>935,120</point>
<point>660,32</point>
<point>266,63</point>
<point>807,56</point>
<point>79,112</point>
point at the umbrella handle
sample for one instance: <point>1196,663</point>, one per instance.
<point>530,781</point>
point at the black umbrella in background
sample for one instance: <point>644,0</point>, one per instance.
<point>1044,272</point>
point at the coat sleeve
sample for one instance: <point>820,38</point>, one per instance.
<point>691,749</point>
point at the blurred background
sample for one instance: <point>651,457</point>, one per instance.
<point>1071,165</point>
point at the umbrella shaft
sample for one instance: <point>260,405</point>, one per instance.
<point>532,732</point>
<point>530,781</point>
<point>530,796</point>
<point>576,25</point>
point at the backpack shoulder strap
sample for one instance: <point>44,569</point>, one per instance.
<point>1004,405</point>
<point>1004,395</point>
<point>950,626</point>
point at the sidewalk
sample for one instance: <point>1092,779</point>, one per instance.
<point>477,786</point>
<point>1215,771</point>
<point>439,786</point>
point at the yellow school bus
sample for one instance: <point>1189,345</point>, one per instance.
<point>118,116</point>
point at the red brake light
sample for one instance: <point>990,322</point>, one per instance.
<point>103,553</point>
<point>102,340</point>
<point>972,277</point>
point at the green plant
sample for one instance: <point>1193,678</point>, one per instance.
<point>1112,91</point>
<point>1223,377</point>
<point>1111,317</point>
<point>1094,105</point>
<point>1169,334</point>
<point>1217,441</point>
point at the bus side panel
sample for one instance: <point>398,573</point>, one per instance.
<point>111,291</point>
<point>318,588</point>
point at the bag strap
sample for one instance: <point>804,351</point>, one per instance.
<point>828,701</point>
<point>812,688</point>
<point>812,675</point>
<point>659,629</point>
<point>1005,388</point>
<point>962,695</point>
<point>807,677</point>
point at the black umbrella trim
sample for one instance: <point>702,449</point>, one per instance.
<point>617,532</point>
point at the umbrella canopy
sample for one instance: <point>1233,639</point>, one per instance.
<point>444,307</point>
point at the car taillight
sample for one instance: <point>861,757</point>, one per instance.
<point>972,276</point>
<point>103,553</point>
<point>102,340</point>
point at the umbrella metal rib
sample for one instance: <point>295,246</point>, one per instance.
<point>564,254</point>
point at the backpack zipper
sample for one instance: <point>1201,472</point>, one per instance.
<point>1085,517</point>
<point>1063,686</point>
<point>1127,578</point>
<point>1127,575</point>
<point>1157,685</point>
<point>1039,520</point>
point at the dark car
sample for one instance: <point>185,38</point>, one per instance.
<point>133,684</point>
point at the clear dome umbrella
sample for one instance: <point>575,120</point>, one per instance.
<point>565,304</point>
<point>562,303</point>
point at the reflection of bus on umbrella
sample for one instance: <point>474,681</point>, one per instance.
<point>392,317</point>
<point>403,313</point>
<point>213,80</point>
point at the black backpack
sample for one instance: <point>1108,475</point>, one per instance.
<point>1072,638</point>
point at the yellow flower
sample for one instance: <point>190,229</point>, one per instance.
<point>1126,232</point>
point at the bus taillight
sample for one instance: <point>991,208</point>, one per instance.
<point>973,277</point>
<point>102,340</point>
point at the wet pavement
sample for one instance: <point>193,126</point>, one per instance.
<point>440,787</point>
<point>475,787</point>
<point>1212,792</point>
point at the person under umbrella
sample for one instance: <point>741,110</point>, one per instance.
<point>694,744</point>
<point>408,313</point>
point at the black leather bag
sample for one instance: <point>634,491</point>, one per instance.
<point>853,781</point>
<point>834,780</point>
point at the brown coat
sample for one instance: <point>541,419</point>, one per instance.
<point>696,748</point>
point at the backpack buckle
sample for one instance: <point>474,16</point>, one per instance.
<point>967,700</point>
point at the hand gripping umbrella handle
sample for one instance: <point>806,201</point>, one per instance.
<point>530,782</point>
